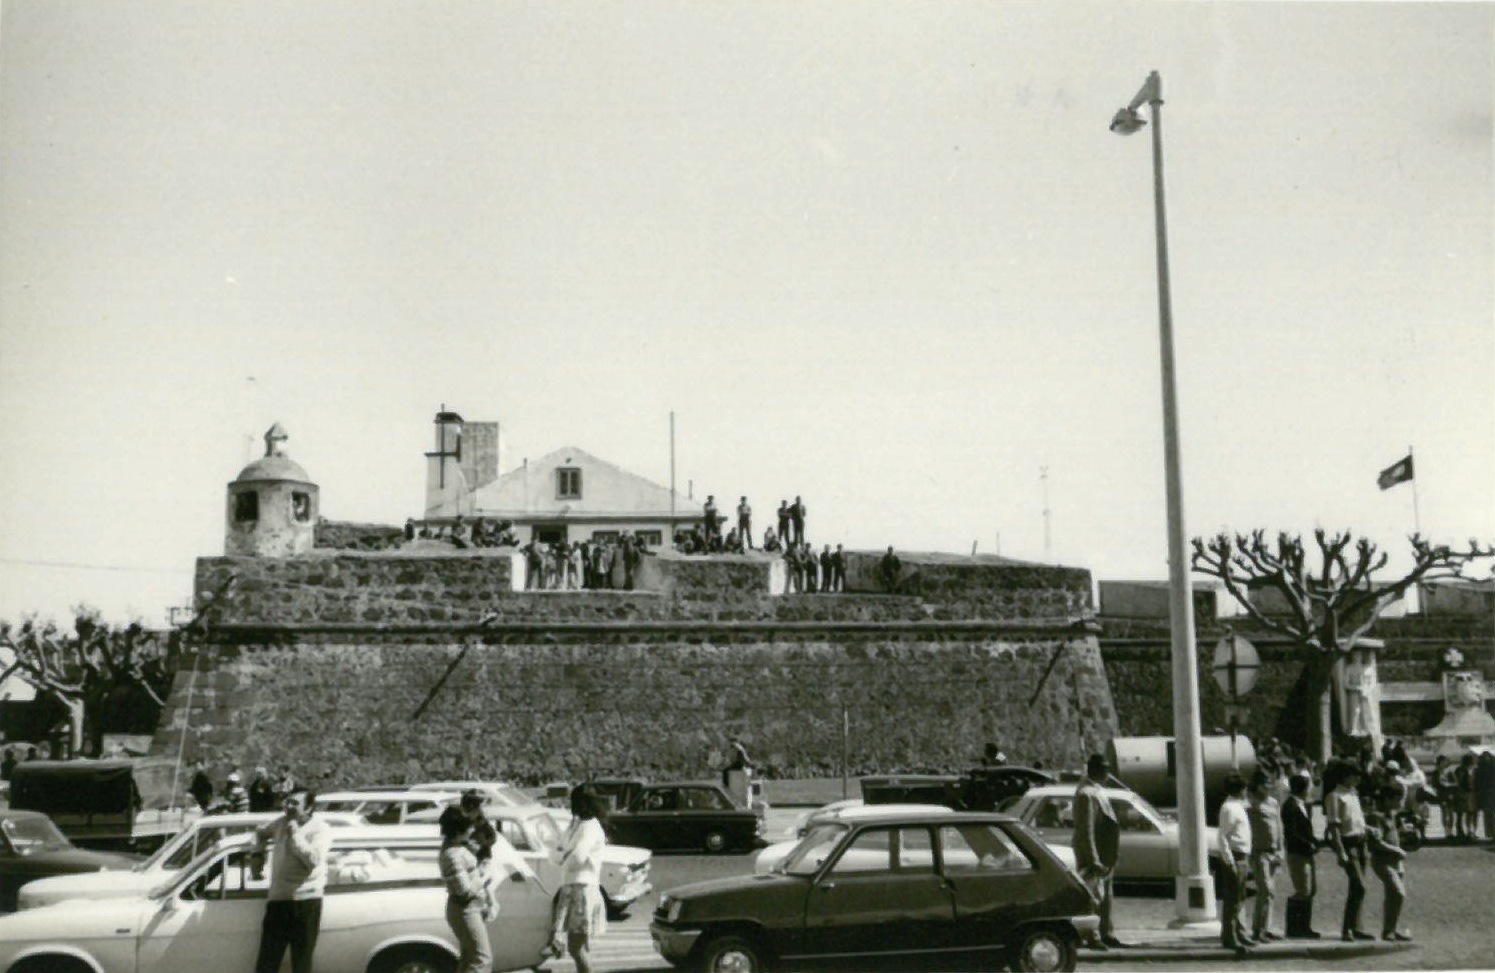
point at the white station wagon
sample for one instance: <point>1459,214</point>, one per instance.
<point>200,835</point>
<point>384,912</point>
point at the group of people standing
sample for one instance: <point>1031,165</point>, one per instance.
<point>263,793</point>
<point>591,565</point>
<point>1258,837</point>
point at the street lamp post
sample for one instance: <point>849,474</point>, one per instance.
<point>1194,898</point>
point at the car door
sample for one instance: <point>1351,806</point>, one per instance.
<point>1053,817</point>
<point>994,883</point>
<point>1148,852</point>
<point>211,923</point>
<point>654,820</point>
<point>881,894</point>
<point>704,810</point>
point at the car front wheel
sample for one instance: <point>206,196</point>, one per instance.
<point>412,959</point>
<point>731,954</point>
<point>1044,951</point>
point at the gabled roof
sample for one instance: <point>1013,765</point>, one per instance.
<point>606,489</point>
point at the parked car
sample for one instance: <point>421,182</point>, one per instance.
<point>384,911</point>
<point>143,876</point>
<point>961,887</point>
<point>389,807</point>
<point>977,789</point>
<point>496,794</point>
<point>1149,840</point>
<point>32,848</point>
<point>120,804</point>
<point>851,809</point>
<point>679,815</point>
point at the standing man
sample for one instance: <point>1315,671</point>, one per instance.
<point>1266,853</point>
<point>1234,843</point>
<point>784,537</point>
<point>745,524</point>
<point>1388,859</point>
<point>797,519</point>
<point>827,571</point>
<point>298,877</point>
<point>713,523</point>
<point>1300,844</point>
<point>1345,829</point>
<point>888,569</point>
<point>1097,843</point>
<point>201,788</point>
<point>261,790</point>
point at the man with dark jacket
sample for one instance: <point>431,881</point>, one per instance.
<point>1300,844</point>
<point>797,520</point>
<point>1097,843</point>
<point>201,788</point>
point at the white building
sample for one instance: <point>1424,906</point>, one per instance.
<point>568,494</point>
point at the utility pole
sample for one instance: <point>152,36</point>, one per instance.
<point>1048,544</point>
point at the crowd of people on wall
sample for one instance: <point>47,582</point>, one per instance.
<point>610,560</point>
<point>601,563</point>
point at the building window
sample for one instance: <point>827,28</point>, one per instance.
<point>653,538</point>
<point>568,483</point>
<point>300,507</point>
<point>246,507</point>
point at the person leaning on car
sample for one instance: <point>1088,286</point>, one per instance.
<point>1097,843</point>
<point>300,843</point>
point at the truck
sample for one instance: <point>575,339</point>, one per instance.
<point>977,789</point>
<point>126,804</point>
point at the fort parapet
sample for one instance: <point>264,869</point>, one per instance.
<point>389,666</point>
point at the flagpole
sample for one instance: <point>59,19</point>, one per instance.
<point>1416,514</point>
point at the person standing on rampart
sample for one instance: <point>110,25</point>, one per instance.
<point>797,519</point>
<point>745,524</point>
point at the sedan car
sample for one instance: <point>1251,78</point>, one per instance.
<point>389,807</point>
<point>1149,840</point>
<point>693,815</point>
<point>143,876</point>
<point>31,848</point>
<point>960,887</point>
<point>851,809</point>
<point>384,910</point>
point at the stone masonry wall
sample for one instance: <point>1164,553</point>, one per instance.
<point>323,661</point>
<point>342,708</point>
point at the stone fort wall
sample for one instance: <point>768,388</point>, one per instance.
<point>360,668</point>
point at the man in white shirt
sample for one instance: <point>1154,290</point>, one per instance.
<point>301,843</point>
<point>1345,829</point>
<point>1234,845</point>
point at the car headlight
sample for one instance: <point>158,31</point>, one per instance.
<point>671,907</point>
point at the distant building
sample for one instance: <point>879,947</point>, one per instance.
<point>568,494</point>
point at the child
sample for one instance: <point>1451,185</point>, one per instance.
<point>1388,859</point>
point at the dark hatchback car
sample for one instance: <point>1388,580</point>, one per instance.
<point>683,815</point>
<point>955,889</point>
<point>32,847</point>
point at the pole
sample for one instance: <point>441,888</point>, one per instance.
<point>672,474</point>
<point>845,748</point>
<point>1416,514</point>
<point>1043,474</point>
<point>1194,899</point>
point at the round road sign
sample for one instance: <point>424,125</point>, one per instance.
<point>1235,666</point>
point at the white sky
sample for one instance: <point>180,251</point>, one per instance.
<point>884,255</point>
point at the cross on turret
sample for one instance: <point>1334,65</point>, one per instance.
<point>275,436</point>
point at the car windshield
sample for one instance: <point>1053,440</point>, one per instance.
<point>167,885</point>
<point>29,835</point>
<point>807,857</point>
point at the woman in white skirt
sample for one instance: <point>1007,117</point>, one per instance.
<point>580,915</point>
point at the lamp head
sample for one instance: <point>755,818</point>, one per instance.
<point>1127,121</point>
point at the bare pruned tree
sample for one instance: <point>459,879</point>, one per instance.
<point>1331,597</point>
<point>91,669</point>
